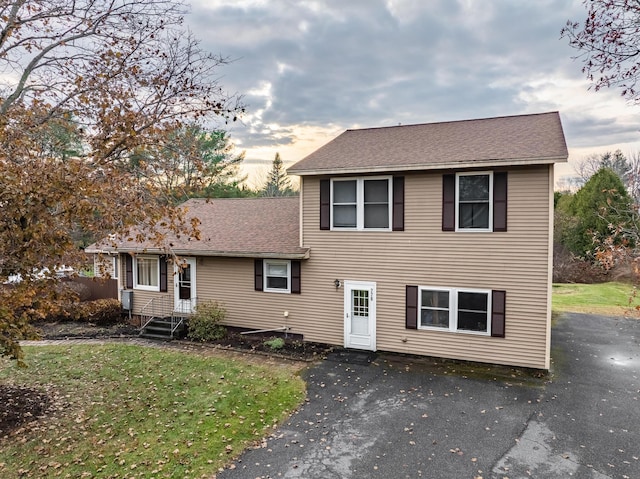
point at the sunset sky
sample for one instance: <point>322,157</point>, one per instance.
<point>308,70</point>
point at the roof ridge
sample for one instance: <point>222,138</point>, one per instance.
<point>556,112</point>
<point>241,198</point>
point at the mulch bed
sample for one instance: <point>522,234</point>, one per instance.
<point>292,348</point>
<point>75,330</point>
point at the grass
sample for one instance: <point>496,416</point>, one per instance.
<point>126,411</point>
<point>610,299</point>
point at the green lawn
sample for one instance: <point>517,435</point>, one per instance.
<point>132,411</point>
<point>611,299</point>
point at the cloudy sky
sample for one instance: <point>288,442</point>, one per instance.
<point>310,69</point>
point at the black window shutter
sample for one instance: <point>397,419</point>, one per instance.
<point>398,203</point>
<point>500,201</point>
<point>295,277</point>
<point>448,202</point>
<point>411,319</point>
<point>325,204</point>
<point>258,275</point>
<point>498,304</point>
<point>163,273</point>
<point>128,266</point>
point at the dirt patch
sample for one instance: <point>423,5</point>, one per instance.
<point>20,405</point>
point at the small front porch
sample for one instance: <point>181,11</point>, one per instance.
<point>161,318</point>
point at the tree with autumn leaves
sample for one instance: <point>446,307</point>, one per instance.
<point>608,45</point>
<point>90,91</point>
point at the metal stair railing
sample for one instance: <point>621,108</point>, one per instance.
<point>180,313</point>
<point>155,308</point>
<point>146,315</point>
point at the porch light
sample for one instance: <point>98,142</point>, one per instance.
<point>337,283</point>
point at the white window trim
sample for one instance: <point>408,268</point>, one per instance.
<point>265,264</point>
<point>145,287</point>
<point>360,203</point>
<point>116,270</point>
<point>453,310</point>
<point>474,230</point>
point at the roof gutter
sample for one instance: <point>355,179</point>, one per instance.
<point>225,254</point>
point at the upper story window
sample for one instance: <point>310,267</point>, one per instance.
<point>474,206</point>
<point>361,203</point>
<point>474,201</point>
<point>146,273</point>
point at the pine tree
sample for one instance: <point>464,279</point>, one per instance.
<point>278,183</point>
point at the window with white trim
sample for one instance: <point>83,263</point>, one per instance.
<point>456,310</point>
<point>361,203</point>
<point>474,201</point>
<point>115,269</point>
<point>146,273</point>
<point>277,276</point>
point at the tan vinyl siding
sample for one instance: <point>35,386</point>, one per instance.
<point>231,281</point>
<point>141,298</point>
<point>423,255</point>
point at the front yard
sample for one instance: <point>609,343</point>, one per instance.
<point>130,411</point>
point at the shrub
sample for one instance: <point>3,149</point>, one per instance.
<point>274,343</point>
<point>205,325</point>
<point>102,312</point>
<point>568,268</point>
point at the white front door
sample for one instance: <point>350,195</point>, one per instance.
<point>184,285</point>
<point>360,315</point>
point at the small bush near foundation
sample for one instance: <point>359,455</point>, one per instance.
<point>102,312</point>
<point>274,343</point>
<point>205,325</point>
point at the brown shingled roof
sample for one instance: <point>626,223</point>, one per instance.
<point>253,227</point>
<point>509,140</point>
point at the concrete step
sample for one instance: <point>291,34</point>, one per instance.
<point>160,328</point>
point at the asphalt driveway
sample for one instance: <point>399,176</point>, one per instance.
<point>388,416</point>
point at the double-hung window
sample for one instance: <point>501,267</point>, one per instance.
<point>361,203</point>
<point>146,273</point>
<point>457,310</point>
<point>474,208</point>
<point>277,276</point>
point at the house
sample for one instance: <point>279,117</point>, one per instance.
<point>431,239</point>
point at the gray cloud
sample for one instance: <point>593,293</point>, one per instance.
<point>369,64</point>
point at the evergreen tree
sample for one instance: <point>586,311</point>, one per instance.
<point>599,206</point>
<point>278,183</point>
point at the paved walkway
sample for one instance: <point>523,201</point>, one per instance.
<point>400,419</point>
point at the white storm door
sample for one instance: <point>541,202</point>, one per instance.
<point>184,285</point>
<point>360,315</point>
